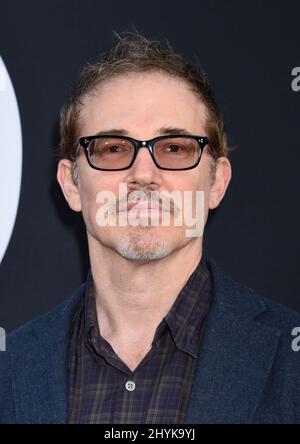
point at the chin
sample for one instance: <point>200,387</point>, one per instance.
<point>140,244</point>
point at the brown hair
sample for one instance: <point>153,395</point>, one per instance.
<point>134,53</point>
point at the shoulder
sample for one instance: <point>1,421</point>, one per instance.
<point>278,315</point>
<point>46,323</point>
<point>244,299</point>
<point>234,301</point>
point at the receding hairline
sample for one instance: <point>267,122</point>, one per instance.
<point>113,79</point>
<point>165,130</point>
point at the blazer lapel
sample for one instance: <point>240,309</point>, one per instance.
<point>236,356</point>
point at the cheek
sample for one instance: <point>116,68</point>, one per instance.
<point>96,192</point>
<point>198,185</point>
<point>88,194</point>
<point>89,209</point>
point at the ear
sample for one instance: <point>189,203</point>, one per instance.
<point>69,188</point>
<point>221,181</point>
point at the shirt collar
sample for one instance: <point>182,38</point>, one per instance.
<point>90,310</point>
<point>187,315</point>
<point>185,319</point>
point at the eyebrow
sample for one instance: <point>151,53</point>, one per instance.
<point>165,130</point>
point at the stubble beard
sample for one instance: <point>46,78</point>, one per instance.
<point>142,244</point>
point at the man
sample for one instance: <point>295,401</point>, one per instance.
<point>157,333</point>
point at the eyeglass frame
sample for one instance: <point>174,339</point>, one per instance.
<point>84,142</point>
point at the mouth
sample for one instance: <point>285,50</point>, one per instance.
<point>144,208</point>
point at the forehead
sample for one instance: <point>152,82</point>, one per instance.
<point>142,102</point>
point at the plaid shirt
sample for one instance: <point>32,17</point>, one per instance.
<point>104,390</point>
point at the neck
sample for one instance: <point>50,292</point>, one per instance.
<point>132,297</point>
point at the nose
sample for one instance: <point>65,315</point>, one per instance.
<point>144,170</point>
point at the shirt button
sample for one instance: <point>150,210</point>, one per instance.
<point>130,386</point>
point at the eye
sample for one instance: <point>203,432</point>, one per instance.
<point>174,148</point>
<point>114,148</point>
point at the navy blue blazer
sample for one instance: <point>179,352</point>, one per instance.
<point>247,371</point>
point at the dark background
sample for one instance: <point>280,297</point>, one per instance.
<point>248,50</point>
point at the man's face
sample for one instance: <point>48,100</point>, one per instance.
<point>141,104</point>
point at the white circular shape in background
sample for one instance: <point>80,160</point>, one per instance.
<point>10,158</point>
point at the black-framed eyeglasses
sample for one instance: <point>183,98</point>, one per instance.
<point>117,153</point>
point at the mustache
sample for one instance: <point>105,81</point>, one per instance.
<point>152,198</point>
